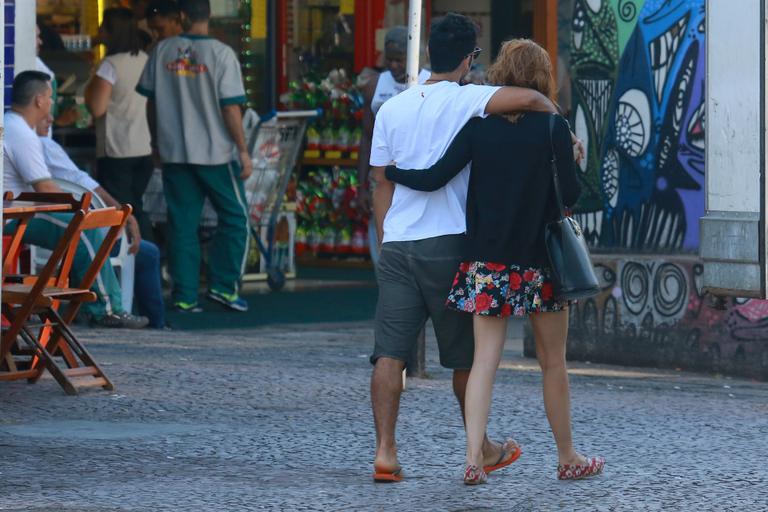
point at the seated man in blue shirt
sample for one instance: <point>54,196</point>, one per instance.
<point>25,170</point>
<point>147,282</point>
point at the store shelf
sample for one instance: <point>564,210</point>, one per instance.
<point>330,262</point>
<point>329,162</point>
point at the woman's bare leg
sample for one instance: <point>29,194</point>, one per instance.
<point>551,331</point>
<point>490,333</point>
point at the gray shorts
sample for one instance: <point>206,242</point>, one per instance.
<point>414,281</point>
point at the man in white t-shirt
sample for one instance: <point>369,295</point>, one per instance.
<point>422,232</point>
<point>25,170</point>
<point>377,91</point>
<point>147,284</point>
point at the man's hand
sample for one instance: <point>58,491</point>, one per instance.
<point>364,199</point>
<point>134,235</point>
<point>382,199</point>
<point>246,165</point>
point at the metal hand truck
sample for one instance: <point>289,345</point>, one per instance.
<point>275,148</point>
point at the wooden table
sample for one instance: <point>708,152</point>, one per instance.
<point>23,211</point>
<point>18,209</point>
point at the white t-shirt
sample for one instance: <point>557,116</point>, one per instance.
<point>387,87</point>
<point>62,167</point>
<point>414,129</point>
<point>107,72</point>
<point>23,158</point>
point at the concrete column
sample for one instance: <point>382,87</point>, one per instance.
<point>733,228</point>
<point>24,52</point>
<point>414,42</point>
<point>417,365</point>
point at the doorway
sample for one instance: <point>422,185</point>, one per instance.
<point>497,20</point>
<point>510,19</point>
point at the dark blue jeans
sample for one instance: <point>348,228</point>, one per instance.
<point>147,285</point>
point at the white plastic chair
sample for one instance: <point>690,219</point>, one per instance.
<point>124,263</point>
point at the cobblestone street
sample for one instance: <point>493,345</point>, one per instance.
<point>279,419</point>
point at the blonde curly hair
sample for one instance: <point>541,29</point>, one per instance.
<point>523,63</point>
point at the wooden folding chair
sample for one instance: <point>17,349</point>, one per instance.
<point>79,362</point>
<point>62,338</point>
<point>38,198</point>
<point>20,301</point>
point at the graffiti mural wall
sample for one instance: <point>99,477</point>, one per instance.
<point>651,312</point>
<point>637,71</point>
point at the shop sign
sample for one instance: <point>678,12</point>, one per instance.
<point>259,19</point>
<point>347,7</point>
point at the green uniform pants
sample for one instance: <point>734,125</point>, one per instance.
<point>45,230</point>
<point>186,186</point>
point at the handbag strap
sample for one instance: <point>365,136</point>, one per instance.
<point>553,162</point>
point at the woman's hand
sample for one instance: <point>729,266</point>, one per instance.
<point>579,153</point>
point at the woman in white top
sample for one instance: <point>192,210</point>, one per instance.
<point>123,139</point>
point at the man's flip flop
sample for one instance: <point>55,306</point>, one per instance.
<point>388,476</point>
<point>507,457</point>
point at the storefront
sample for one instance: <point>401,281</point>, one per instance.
<point>295,54</point>
<point>321,35</point>
<point>326,50</point>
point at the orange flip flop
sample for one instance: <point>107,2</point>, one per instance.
<point>506,458</point>
<point>388,476</point>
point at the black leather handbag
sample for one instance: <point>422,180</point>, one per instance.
<point>572,271</point>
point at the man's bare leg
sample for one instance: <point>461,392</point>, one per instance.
<point>491,450</point>
<point>386,387</point>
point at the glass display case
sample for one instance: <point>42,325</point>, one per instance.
<point>320,37</point>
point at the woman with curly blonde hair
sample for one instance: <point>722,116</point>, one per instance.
<point>506,270</point>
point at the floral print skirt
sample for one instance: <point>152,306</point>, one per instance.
<point>493,289</point>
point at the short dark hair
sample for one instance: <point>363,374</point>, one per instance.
<point>164,8</point>
<point>451,39</point>
<point>49,38</point>
<point>196,10</point>
<point>27,85</point>
<point>123,34</point>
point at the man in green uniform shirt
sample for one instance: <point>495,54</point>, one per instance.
<point>195,89</point>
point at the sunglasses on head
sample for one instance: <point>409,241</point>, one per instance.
<point>474,53</point>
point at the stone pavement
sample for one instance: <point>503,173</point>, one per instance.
<point>279,419</point>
